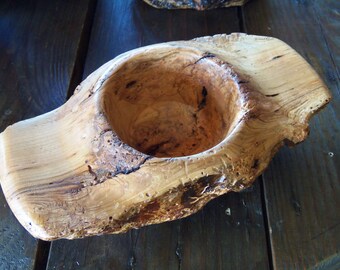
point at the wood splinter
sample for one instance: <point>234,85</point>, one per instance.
<point>156,133</point>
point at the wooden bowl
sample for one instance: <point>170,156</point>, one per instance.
<point>156,133</point>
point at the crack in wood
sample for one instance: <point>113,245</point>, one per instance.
<point>204,99</point>
<point>273,95</point>
<point>277,57</point>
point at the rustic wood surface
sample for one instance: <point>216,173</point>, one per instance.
<point>301,190</point>
<point>174,245</point>
<point>302,183</point>
<point>38,50</point>
<point>87,195</point>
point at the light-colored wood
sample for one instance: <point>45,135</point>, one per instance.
<point>203,117</point>
<point>194,4</point>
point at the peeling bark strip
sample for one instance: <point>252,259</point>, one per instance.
<point>195,4</point>
<point>165,129</point>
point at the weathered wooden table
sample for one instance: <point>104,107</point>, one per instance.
<point>290,219</point>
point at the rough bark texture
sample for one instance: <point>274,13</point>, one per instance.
<point>72,172</point>
<point>195,4</point>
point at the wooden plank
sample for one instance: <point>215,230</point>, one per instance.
<point>227,234</point>
<point>124,26</point>
<point>302,184</point>
<point>38,47</point>
<point>327,13</point>
<point>208,240</point>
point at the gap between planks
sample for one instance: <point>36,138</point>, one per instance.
<point>266,222</point>
<point>79,64</point>
<point>243,28</point>
<point>44,247</point>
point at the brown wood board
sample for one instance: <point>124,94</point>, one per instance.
<point>198,242</point>
<point>302,184</point>
<point>38,49</point>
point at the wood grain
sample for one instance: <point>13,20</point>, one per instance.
<point>210,239</point>
<point>133,24</point>
<point>71,173</point>
<point>225,235</point>
<point>302,184</point>
<point>312,207</point>
<point>38,47</point>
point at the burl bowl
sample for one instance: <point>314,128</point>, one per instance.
<point>156,133</point>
